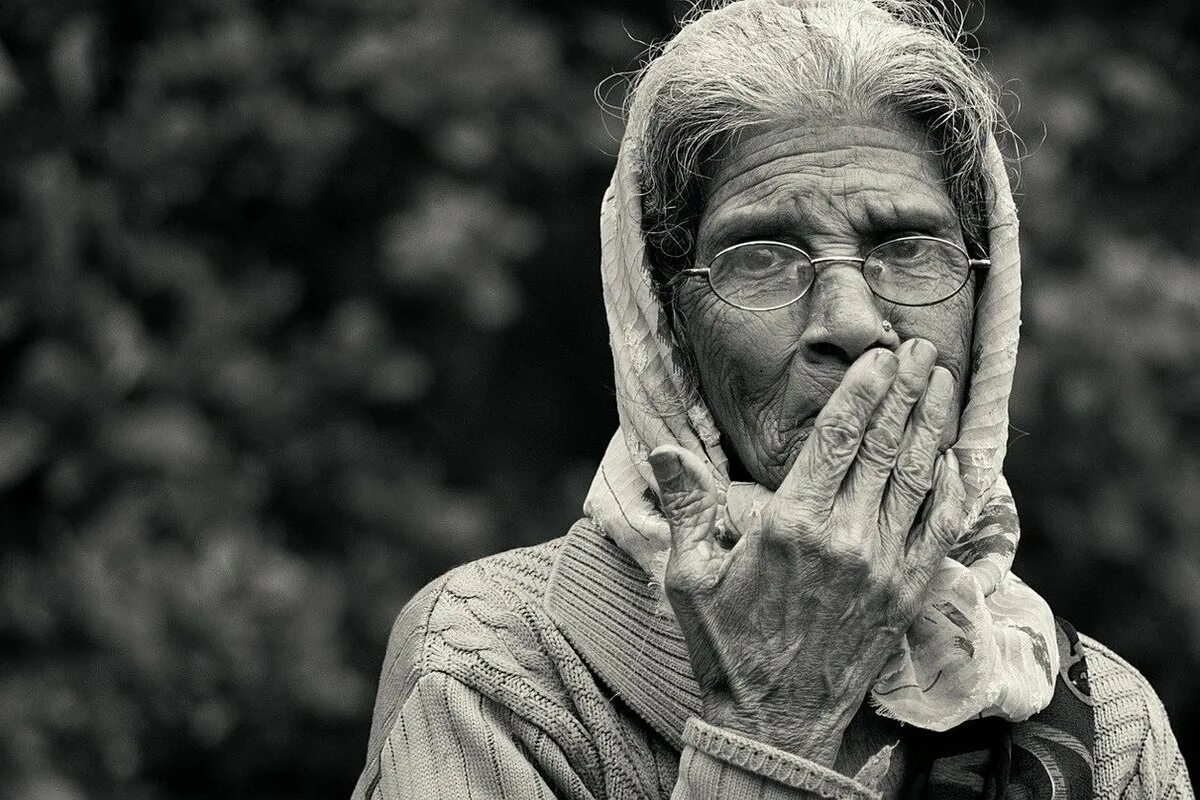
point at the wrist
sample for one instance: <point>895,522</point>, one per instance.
<point>814,734</point>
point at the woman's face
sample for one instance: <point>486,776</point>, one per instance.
<point>832,189</point>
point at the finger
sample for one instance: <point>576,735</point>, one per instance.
<point>744,505</point>
<point>687,492</point>
<point>912,475</point>
<point>819,469</point>
<point>942,525</point>
<point>876,457</point>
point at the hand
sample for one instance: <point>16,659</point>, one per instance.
<point>788,629</point>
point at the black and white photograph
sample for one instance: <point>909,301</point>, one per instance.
<point>612,400</point>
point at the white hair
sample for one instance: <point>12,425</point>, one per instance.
<point>738,64</point>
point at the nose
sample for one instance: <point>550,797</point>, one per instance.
<point>844,320</point>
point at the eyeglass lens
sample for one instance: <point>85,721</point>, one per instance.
<point>762,276</point>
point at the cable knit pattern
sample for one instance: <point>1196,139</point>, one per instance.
<point>1136,753</point>
<point>483,696</point>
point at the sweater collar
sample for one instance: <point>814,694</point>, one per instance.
<point>605,605</point>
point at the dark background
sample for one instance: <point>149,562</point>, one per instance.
<point>299,308</point>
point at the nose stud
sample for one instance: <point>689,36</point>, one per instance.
<point>887,326</point>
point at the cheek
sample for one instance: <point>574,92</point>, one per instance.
<point>740,356</point>
<point>947,325</point>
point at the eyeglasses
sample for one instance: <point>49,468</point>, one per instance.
<point>906,271</point>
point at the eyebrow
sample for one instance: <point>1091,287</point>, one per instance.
<point>788,222</point>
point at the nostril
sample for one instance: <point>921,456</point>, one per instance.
<point>828,351</point>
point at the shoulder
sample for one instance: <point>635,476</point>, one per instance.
<point>476,651</point>
<point>1127,707</point>
<point>476,611</point>
<point>1136,753</point>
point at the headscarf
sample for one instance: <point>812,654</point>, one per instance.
<point>985,644</point>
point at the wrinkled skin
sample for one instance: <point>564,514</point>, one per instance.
<point>835,189</point>
<point>839,423</point>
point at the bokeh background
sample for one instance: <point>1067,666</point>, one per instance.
<point>299,307</point>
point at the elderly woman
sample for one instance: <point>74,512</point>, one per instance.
<point>792,579</point>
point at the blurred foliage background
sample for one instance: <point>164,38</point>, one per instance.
<point>299,308</point>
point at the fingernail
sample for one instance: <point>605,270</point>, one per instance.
<point>925,350</point>
<point>667,468</point>
<point>942,381</point>
<point>952,459</point>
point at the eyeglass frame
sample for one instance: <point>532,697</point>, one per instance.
<point>973,264</point>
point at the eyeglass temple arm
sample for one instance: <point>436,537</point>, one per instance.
<point>980,263</point>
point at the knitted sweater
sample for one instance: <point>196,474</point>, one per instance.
<point>548,672</point>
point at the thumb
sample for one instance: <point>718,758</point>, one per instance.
<point>688,495</point>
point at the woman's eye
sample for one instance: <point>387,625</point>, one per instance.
<point>754,260</point>
<point>907,249</point>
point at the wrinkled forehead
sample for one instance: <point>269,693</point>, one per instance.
<point>859,176</point>
<point>829,141</point>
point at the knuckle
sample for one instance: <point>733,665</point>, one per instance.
<point>914,469</point>
<point>909,386</point>
<point>880,442</point>
<point>786,539</point>
<point>686,504</point>
<point>862,394</point>
<point>882,579</point>
<point>935,407</point>
<point>791,528</point>
<point>854,561</point>
<point>930,418</point>
<point>859,557</point>
<point>837,434</point>
<point>945,524</point>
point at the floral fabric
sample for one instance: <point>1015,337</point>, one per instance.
<point>1048,756</point>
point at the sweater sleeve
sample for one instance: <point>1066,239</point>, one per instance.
<point>720,763</point>
<point>1137,757</point>
<point>1171,781</point>
<point>449,741</point>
